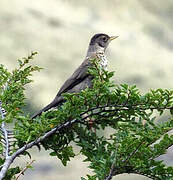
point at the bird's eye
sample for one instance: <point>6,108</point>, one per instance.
<point>104,39</point>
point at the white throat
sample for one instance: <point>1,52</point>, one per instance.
<point>100,51</point>
<point>95,49</point>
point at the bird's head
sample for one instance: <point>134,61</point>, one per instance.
<point>99,42</point>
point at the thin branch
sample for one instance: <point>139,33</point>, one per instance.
<point>133,153</point>
<point>99,110</point>
<point>11,158</point>
<point>128,169</point>
<point>115,107</point>
<point>111,172</point>
<point>113,169</point>
<point>24,169</point>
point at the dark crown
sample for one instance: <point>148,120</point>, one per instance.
<point>96,36</point>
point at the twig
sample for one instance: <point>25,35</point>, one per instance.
<point>24,169</point>
<point>115,107</point>
<point>111,172</point>
<point>113,169</point>
<point>130,170</point>
<point>100,109</point>
<point>133,153</point>
<point>11,158</point>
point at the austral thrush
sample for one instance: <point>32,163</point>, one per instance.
<point>81,79</point>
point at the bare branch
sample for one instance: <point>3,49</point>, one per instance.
<point>24,169</point>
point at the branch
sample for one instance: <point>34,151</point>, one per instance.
<point>24,169</point>
<point>92,111</point>
<point>5,133</point>
<point>11,158</point>
<point>128,169</point>
<point>133,153</point>
<point>115,107</point>
<point>113,168</point>
<point>111,172</point>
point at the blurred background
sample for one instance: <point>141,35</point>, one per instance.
<point>60,31</point>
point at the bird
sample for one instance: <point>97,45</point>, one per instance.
<point>81,79</point>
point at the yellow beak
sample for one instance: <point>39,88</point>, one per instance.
<point>113,37</point>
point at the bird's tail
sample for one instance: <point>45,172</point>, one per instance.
<point>54,103</point>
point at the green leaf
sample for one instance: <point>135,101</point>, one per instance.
<point>171,111</point>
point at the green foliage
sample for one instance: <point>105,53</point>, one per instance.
<point>13,97</point>
<point>131,138</point>
<point>11,172</point>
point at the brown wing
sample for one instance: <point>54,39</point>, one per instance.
<point>79,75</point>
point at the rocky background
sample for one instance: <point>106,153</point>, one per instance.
<point>60,31</point>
